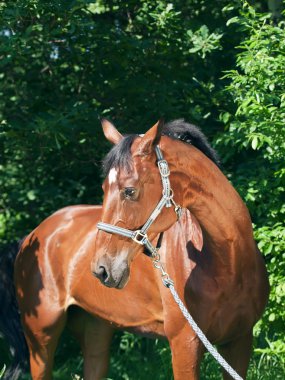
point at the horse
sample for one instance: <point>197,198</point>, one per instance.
<point>56,288</point>
<point>223,283</point>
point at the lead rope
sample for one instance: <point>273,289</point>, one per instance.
<point>168,282</point>
<point>140,237</point>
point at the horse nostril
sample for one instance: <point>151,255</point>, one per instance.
<point>102,274</point>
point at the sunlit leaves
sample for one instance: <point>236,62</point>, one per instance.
<point>64,64</point>
<point>257,134</point>
<point>203,41</point>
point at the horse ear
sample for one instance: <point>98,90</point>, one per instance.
<point>110,131</point>
<point>151,138</point>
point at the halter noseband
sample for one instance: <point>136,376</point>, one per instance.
<point>140,236</point>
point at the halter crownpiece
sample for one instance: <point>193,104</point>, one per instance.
<point>140,236</point>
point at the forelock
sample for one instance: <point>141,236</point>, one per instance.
<point>120,156</point>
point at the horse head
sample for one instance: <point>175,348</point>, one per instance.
<point>132,190</point>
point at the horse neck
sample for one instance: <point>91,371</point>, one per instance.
<point>207,193</point>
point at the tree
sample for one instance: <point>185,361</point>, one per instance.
<point>254,145</point>
<point>66,64</point>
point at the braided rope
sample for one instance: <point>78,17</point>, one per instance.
<point>140,237</point>
<point>201,335</point>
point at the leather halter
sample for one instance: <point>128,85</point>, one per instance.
<point>140,236</point>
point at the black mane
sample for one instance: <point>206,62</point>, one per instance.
<point>120,155</point>
<point>189,133</point>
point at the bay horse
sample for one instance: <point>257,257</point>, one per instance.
<point>225,286</point>
<point>55,287</point>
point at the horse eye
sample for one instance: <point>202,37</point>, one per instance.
<point>130,193</point>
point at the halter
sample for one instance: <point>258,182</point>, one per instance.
<point>140,236</point>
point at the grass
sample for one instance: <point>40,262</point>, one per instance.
<point>134,358</point>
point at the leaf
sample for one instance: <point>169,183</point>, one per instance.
<point>31,195</point>
<point>226,117</point>
<point>268,249</point>
<point>254,142</point>
<point>2,371</point>
<point>232,20</point>
<point>57,142</point>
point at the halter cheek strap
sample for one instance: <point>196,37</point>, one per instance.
<point>140,236</point>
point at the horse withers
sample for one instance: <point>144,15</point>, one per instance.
<point>225,286</point>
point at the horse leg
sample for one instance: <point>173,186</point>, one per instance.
<point>42,336</point>
<point>237,353</point>
<point>96,350</point>
<point>187,352</point>
<point>95,337</point>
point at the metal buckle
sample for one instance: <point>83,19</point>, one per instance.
<point>163,168</point>
<point>168,197</point>
<point>167,281</point>
<point>178,210</point>
<point>140,237</point>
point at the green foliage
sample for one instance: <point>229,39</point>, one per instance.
<point>258,86</point>
<point>131,366</point>
<point>2,371</point>
<point>65,64</point>
<point>203,42</point>
<point>139,358</point>
<point>256,136</point>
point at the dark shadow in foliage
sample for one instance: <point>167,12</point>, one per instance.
<point>10,324</point>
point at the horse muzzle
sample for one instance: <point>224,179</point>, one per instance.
<point>112,272</point>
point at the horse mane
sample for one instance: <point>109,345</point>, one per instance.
<point>190,134</point>
<point>120,155</point>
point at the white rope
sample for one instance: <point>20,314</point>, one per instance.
<point>140,237</point>
<point>202,336</point>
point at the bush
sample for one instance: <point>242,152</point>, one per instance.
<point>254,146</point>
